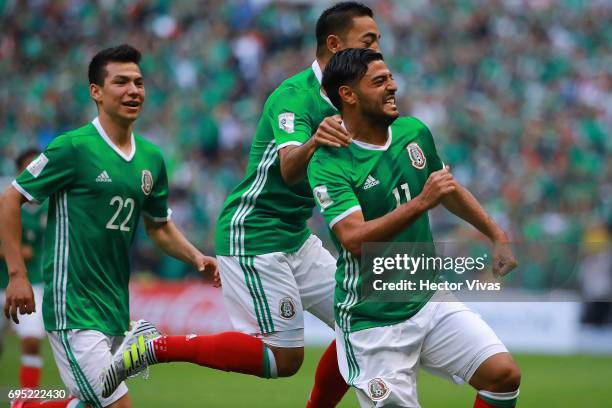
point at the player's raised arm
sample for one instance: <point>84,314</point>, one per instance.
<point>19,294</point>
<point>294,159</point>
<point>352,230</point>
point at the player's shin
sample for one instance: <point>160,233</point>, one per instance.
<point>329,386</point>
<point>487,399</point>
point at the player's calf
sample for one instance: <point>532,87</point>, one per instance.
<point>288,360</point>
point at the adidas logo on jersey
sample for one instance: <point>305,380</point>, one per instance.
<point>370,182</point>
<point>104,178</point>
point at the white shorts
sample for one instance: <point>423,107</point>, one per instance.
<point>82,357</point>
<point>266,295</point>
<point>446,338</point>
<point>30,325</point>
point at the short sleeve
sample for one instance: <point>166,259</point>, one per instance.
<point>434,163</point>
<point>290,118</point>
<point>52,171</point>
<point>156,203</point>
<point>332,190</point>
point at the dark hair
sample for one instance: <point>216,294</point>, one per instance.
<point>97,66</point>
<point>23,156</point>
<point>345,68</point>
<point>337,20</point>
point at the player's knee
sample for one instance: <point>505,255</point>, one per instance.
<point>506,377</point>
<point>288,360</point>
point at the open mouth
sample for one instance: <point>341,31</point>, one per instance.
<point>131,104</point>
<point>391,101</point>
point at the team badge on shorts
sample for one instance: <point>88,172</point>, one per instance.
<point>417,157</point>
<point>287,308</point>
<point>147,182</point>
<point>378,389</point>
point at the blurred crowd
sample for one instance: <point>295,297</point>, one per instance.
<point>517,93</point>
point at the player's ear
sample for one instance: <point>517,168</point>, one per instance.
<point>347,95</point>
<point>333,43</point>
<point>95,91</point>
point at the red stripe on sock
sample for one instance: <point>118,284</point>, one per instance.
<point>229,351</point>
<point>329,386</point>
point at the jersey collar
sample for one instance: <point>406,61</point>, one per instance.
<point>319,74</point>
<point>102,132</point>
<point>369,146</point>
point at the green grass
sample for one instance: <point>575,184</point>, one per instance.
<point>548,381</point>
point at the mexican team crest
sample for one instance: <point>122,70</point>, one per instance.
<point>287,308</point>
<point>378,389</point>
<point>417,157</point>
<point>147,182</point>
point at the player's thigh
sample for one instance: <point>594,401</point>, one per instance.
<point>31,325</point>
<point>458,342</point>
<point>82,356</point>
<point>382,363</point>
<point>314,269</point>
<point>262,298</point>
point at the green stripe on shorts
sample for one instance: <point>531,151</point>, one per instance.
<point>263,295</point>
<point>242,260</point>
<point>82,382</point>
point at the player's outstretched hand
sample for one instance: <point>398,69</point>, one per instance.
<point>19,298</point>
<point>503,259</point>
<point>438,184</point>
<point>331,133</point>
<point>208,264</point>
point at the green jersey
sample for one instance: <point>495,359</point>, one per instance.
<point>96,194</point>
<point>263,214</point>
<point>33,221</point>
<point>374,180</point>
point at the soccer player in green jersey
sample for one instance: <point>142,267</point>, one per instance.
<point>271,266</point>
<point>99,179</point>
<point>31,329</point>
<point>379,189</point>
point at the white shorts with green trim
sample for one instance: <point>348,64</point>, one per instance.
<point>266,295</point>
<point>82,357</point>
<point>30,325</point>
<point>446,338</point>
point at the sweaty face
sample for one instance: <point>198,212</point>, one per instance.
<point>123,92</point>
<point>376,94</point>
<point>362,34</point>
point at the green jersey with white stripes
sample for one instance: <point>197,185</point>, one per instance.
<point>374,180</point>
<point>263,214</point>
<point>33,221</point>
<point>96,195</point>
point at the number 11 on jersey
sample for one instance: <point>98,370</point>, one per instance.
<point>396,193</point>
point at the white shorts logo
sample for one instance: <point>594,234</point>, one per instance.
<point>286,122</point>
<point>38,165</point>
<point>287,308</point>
<point>323,198</point>
<point>378,389</point>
